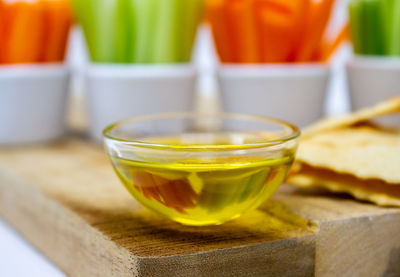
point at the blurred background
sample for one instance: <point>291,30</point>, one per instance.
<point>206,60</point>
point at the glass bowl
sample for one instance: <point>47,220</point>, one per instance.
<point>201,169</point>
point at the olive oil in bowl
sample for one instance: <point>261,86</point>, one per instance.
<point>202,194</point>
<point>201,178</point>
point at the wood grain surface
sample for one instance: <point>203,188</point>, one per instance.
<point>67,201</point>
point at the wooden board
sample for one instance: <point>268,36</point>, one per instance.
<point>67,201</point>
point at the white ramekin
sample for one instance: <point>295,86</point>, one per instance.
<point>372,80</point>
<point>295,93</point>
<point>32,103</point>
<point>116,92</point>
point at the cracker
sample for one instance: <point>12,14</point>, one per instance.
<point>373,190</point>
<point>388,107</point>
<point>365,152</point>
<point>347,154</point>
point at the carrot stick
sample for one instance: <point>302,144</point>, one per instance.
<point>222,37</point>
<point>327,49</point>
<point>23,32</point>
<point>57,23</point>
<point>2,25</point>
<point>241,21</point>
<point>316,21</point>
<point>274,30</point>
<point>276,23</point>
<point>231,21</point>
<point>299,29</point>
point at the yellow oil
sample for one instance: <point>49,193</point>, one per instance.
<point>193,192</point>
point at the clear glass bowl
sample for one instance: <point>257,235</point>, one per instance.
<point>201,169</point>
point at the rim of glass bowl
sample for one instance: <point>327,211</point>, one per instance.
<point>295,132</point>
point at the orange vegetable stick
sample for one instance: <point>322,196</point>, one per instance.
<point>23,32</point>
<point>317,19</point>
<point>241,23</point>
<point>222,37</point>
<point>230,14</point>
<point>57,22</point>
<point>2,14</point>
<point>299,29</point>
<point>6,15</point>
<point>277,23</point>
<point>327,49</point>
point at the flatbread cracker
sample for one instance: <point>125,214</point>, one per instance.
<point>388,107</point>
<point>348,154</point>
<point>373,190</point>
<point>365,152</point>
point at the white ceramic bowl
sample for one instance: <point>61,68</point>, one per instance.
<point>32,103</point>
<point>117,92</point>
<point>294,93</point>
<point>372,80</point>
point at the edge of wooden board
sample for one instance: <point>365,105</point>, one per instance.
<point>350,238</point>
<point>84,251</point>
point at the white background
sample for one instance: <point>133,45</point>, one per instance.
<point>19,258</point>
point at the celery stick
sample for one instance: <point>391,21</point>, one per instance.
<point>396,29</point>
<point>189,22</point>
<point>145,17</point>
<point>166,35</point>
<point>124,36</point>
<point>387,17</point>
<point>105,23</point>
<point>373,27</point>
<point>356,26</point>
<point>97,19</point>
<point>83,10</point>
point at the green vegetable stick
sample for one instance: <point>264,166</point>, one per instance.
<point>373,27</point>
<point>396,29</point>
<point>189,22</point>
<point>166,35</point>
<point>124,36</point>
<point>106,23</point>
<point>387,17</point>
<point>145,17</point>
<point>87,21</point>
<point>97,19</point>
<point>356,26</point>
